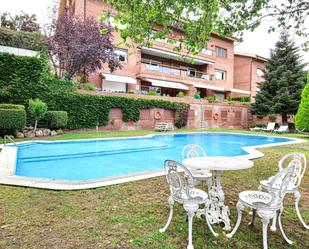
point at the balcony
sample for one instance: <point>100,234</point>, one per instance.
<point>165,72</point>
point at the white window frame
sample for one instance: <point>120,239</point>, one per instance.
<point>259,72</point>
<point>206,51</point>
<point>121,52</point>
<point>223,74</point>
<point>222,55</point>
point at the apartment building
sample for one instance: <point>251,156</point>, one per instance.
<point>248,72</point>
<point>157,69</point>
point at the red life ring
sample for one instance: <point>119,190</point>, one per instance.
<point>157,115</point>
<point>216,115</point>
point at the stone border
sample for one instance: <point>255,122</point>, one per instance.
<point>8,157</point>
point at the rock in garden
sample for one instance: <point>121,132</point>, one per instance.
<point>19,135</point>
<point>60,131</point>
<point>53,133</point>
<point>29,134</point>
<point>39,133</point>
<point>46,132</point>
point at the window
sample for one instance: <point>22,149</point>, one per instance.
<point>191,72</point>
<point>206,51</point>
<point>259,72</point>
<point>221,52</point>
<point>167,41</point>
<point>220,75</point>
<point>152,64</point>
<point>121,54</point>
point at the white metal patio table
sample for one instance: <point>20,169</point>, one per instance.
<point>218,211</point>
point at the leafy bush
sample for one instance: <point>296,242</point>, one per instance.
<point>258,125</point>
<point>211,99</point>
<point>12,120</point>
<point>272,117</point>
<point>180,94</point>
<point>88,87</point>
<point>37,109</point>
<point>21,39</point>
<point>302,116</point>
<point>152,92</point>
<point>56,119</point>
<point>12,106</point>
<point>239,99</point>
<point>56,85</point>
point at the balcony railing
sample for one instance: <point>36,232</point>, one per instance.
<point>180,72</point>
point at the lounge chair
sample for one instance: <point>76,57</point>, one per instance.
<point>256,129</point>
<point>282,129</point>
<point>270,127</point>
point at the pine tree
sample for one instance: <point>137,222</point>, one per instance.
<point>285,79</point>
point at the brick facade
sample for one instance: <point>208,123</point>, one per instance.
<point>246,76</point>
<point>171,70</point>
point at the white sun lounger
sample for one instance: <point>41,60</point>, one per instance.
<point>282,129</point>
<point>270,127</point>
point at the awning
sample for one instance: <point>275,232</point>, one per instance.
<point>119,78</point>
<point>215,88</point>
<point>169,84</point>
<point>234,90</point>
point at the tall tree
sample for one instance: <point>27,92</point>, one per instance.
<point>81,46</point>
<point>285,79</point>
<point>302,116</point>
<point>21,22</point>
<point>198,18</point>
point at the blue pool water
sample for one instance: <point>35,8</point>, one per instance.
<point>93,159</point>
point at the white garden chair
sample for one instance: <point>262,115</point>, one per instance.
<point>270,127</point>
<point>293,186</point>
<point>181,183</point>
<point>266,205</point>
<point>282,129</point>
<point>195,150</point>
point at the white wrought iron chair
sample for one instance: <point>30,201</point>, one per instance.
<point>266,205</point>
<point>293,186</point>
<point>195,150</point>
<point>181,184</point>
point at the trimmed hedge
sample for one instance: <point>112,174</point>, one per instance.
<point>21,39</point>
<point>56,119</point>
<point>12,120</point>
<point>302,116</point>
<point>23,78</point>
<point>12,106</point>
<point>88,111</point>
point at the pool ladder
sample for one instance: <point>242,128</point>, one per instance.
<point>6,137</point>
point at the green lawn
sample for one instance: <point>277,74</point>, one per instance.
<point>130,215</point>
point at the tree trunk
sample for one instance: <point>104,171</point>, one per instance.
<point>35,125</point>
<point>284,118</point>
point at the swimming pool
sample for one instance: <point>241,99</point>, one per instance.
<point>80,160</point>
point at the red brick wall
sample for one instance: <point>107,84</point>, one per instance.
<point>132,68</point>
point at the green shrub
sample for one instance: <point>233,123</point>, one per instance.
<point>180,94</point>
<point>211,99</point>
<point>258,125</point>
<point>56,119</point>
<point>88,87</point>
<point>272,117</point>
<point>239,99</point>
<point>152,92</point>
<point>37,109</point>
<point>11,120</point>
<point>57,86</point>
<point>131,92</point>
<point>12,106</point>
<point>21,39</point>
<point>302,116</point>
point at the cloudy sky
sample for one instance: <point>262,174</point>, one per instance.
<point>257,42</point>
